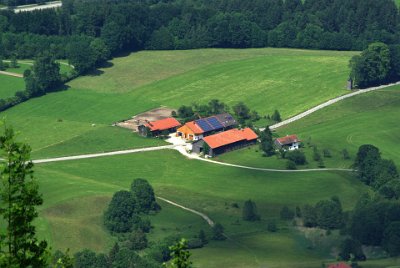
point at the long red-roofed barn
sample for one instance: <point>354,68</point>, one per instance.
<point>225,141</point>
<point>155,128</point>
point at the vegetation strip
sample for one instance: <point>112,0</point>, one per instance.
<point>204,216</point>
<point>330,102</point>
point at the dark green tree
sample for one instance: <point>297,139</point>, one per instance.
<point>276,116</point>
<point>309,216</point>
<point>46,73</point>
<point>391,238</point>
<point>286,213</point>
<point>329,214</point>
<point>250,211</point>
<point>82,56</point>
<point>349,248</point>
<point>19,196</point>
<point>218,232</point>
<point>372,67</point>
<point>118,216</point>
<point>366,163</point>
<point>143,193</point>
<point>242,112</point>
<point>137,240</point>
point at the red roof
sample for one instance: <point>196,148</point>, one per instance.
<point>194,127</point>
<point>229,137</point>
<point>163,124</point>
<point>339,265</point>
<point>288,139</point>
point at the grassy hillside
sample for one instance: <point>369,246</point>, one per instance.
<point>367,119</point>
<point>9,85</point>
<point>76,193</point>
<point>266,79</point>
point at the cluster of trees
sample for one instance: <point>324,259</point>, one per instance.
<point>44,77</point>
<point>133,25</point>
<point>124,213</point>
<point>377,64</point>
<point>326,214</point>
<point>381,174</point>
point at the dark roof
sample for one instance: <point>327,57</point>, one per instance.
<point>229,137</point>
<point>163,124</point>
<point>226,119</point>
<point>287,140</point>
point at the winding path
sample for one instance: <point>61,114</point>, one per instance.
<point>327,103</point>
<point>182,150</point>
<point>204,216</point>
<point>11,74</point>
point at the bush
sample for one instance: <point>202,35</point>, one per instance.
<point>250,211</point>
<point>345,154</point>
<point>327,153</point>
<point>271,226</point>
<point>287,214</point>
<point>218,232</point>
<point>297,156</point>
<point>291,165</point>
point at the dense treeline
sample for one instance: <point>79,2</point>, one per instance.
<point>134,25</point>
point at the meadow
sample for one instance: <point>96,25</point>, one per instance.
<point>77,192</point>
<point>9,85</point>
<point>266,79</point>
<point>366,119</point>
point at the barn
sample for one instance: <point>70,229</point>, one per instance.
<point>155,128</point>
<point>226,141</point>
<point>290,142</point>
<point>197,129</point>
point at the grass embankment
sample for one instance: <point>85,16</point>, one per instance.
<point>76,193</point>
<point>266,79</point>
<point>365,119</point>
<point>9,84</point>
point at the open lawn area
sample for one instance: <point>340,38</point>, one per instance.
<point>9,85</point>
<point>76,193</point>
<point>366,119</point>
<point>266,79</point>
<point>372,118</point>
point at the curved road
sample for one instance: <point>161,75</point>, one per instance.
<point>327,103</point>
<point>182,150</point>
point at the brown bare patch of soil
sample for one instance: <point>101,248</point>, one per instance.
<point>152,115</point>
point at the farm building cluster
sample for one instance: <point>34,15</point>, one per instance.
<point>212,135</point>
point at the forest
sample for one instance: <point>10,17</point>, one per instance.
<point>133,25</point>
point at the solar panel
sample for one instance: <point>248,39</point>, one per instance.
<point>204,126</point>
<point>214,123</point>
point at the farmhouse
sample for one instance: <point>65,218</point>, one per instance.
<point>197,129</point>
<point>339,265</point>
<point>290,142</point>
<point>225,141</point>
<point>155,128</point>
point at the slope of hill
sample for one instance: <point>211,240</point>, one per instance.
<point>266,79</point>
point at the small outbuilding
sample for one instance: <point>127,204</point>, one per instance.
<point>288,143</point>
<point>226,141</point>
<point>155,128</point>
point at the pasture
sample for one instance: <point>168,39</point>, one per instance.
<point>266,79</point>
<point>371,118</point>
<point>364,119</point>
<point>9,85</point>
<point>72,188</point>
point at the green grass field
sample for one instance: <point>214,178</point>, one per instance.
<point>265,79</point>
<point>9,85</point>
<point>72,188</point>
<point>367,119</point>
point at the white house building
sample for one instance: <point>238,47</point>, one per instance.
<point>288,143</point>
